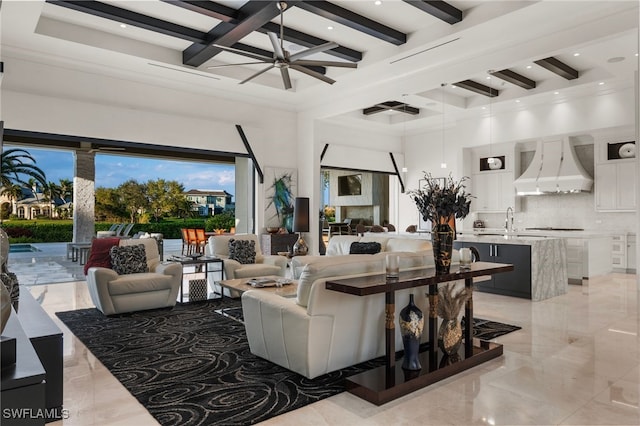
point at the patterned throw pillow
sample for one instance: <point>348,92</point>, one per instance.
<point>129,259</point>
<point>243,251</point>
<point>365,248</point>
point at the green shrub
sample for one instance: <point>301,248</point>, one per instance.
<point>226,221</point>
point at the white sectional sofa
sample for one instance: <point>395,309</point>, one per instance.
<point>320,330</point>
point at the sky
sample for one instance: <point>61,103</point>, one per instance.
<point>112,170</point>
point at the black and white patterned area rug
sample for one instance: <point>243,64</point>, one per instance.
<point>489,330</point>
<point>192,366</point>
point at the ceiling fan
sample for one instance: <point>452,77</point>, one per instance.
<point>284,61</point>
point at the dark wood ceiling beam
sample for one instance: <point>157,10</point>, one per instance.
<point>251,16</point>
<point>303,39</point>
<point>478,88</point>
<point>391,106</point>
<point>558,67</point>
<point>515,78</point>
<point>354,21</point>
<point>440,9</point>
<point>139,20</point>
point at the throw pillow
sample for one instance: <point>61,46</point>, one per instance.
<point>129,259</point>
<point>100,253</point>
<point>365,248</point>
<point>243,251</point>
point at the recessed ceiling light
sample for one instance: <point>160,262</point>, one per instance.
<point>556,93</point>
<point>123,26</point>
<point>601,83</point>
<point>616,59</point>
<point>518,100</point>
<point>636,54</point>
<point>528,67</point>
<point>488,77</point>
<point>576,54</point>
<point>484,107</point>
<point>453,86</point>
<point>377,2</point>
<point>329,27</point>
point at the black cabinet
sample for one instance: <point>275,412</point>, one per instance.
<point>516,283</point>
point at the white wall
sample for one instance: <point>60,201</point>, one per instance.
<point>588,115</point>
<point>41,98</point>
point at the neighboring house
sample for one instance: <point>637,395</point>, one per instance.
<point>208,202</point>
<point>33,204</point>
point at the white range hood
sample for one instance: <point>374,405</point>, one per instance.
<point>554,169</point>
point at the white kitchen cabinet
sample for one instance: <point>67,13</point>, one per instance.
<point>494,191</point>
<point>619,253</point>
<point>588,257</point>
<point>631,253</point>
<point>615,184</point>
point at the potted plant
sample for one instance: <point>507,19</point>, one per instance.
<point>441,201</point>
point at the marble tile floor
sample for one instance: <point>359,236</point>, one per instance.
<point>575,362</point>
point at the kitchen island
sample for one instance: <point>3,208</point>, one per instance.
<point>540,264</point>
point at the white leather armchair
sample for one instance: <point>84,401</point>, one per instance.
<point>158,288</point>
<point>218,246</point>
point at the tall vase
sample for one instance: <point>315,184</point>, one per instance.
<point>411,325</point>
<point>442,242</point>
<point>450,336</point>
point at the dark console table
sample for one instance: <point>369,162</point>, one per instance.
<point>273,243</point>
<point>390,381</point>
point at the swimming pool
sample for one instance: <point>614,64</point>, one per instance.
<point>22,248</point>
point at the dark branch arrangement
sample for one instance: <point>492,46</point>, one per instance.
<point>442,198</point>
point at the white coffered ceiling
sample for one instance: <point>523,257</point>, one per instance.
<point>493,35</point>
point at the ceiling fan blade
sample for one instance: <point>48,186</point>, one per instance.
<point>315,49</point>
<point>326,63</point>
<point>277,49</point>
<point>312,73</point>
<point>244,53</point>
<point>285,78</point>
<point>240,63</point>
<point>257,74</point>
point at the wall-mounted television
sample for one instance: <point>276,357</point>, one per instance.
<point>350,185</point>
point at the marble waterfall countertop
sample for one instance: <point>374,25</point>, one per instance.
<point>548,261</point>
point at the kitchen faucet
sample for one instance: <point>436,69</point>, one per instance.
<point>508,224</point>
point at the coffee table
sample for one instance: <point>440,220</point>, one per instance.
<point>240,285</point>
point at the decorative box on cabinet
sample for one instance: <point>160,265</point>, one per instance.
<point>273,243</point>
<point>23,384</point>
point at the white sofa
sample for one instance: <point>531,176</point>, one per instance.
<point>158,288</point>
<point>340,245</point>
<point>321,330</point>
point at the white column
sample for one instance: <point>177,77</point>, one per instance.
<point>84,198</point>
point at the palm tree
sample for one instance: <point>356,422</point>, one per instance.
<point>52,191</point>
<point>14,193</point>
<point>18,164</point>
<point>66,190</point>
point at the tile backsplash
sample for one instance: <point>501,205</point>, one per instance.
<point>561,211</point>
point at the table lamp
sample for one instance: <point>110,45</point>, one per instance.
<point>300,225</point>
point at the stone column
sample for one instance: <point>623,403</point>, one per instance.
<point>84,199</point>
